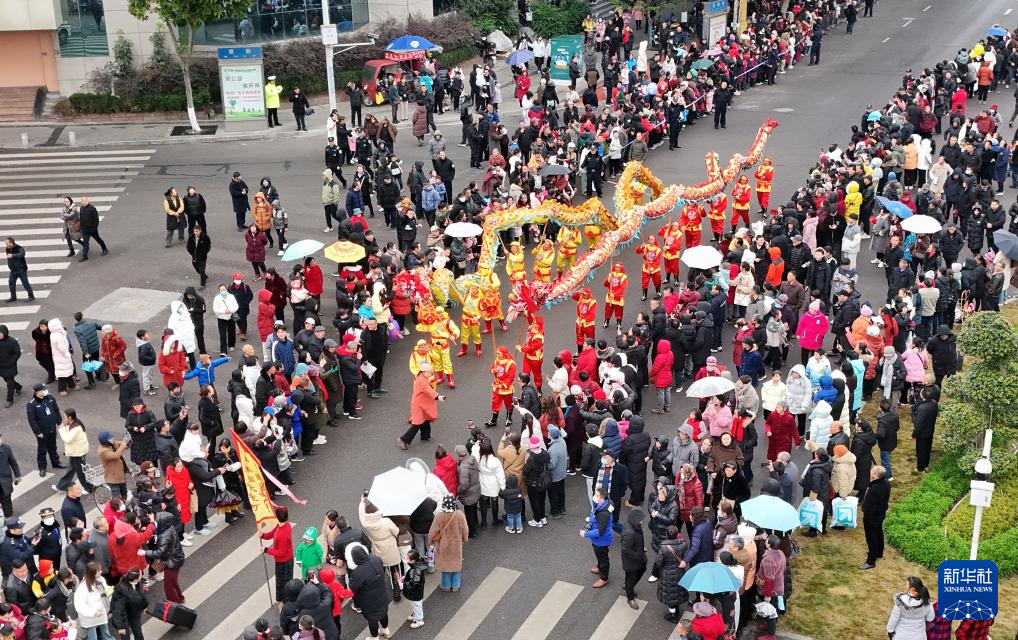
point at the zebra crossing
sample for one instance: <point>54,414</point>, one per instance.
<point>32,186</point>
<point>472,619</point>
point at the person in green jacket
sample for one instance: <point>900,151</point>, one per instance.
<point>272,91</point>
<point>309,554</point>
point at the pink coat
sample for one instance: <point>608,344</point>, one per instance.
<point>915,365</point>
<point>812,329</point>
<point>718,420</point>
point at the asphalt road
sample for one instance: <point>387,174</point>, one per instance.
<point>815,106</point>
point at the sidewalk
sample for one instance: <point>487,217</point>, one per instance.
<point>43,134</point>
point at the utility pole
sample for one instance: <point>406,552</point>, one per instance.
<point>329,38</point>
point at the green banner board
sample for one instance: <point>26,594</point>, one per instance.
<point>563,48</point>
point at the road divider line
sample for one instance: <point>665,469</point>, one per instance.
<point>468,617</point>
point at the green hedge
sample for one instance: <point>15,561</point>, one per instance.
<point>915,525</point>
<point>103,103</point>
<point>550,21</point>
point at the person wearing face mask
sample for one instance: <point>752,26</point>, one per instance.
<point>225,307</point>
<point>50,545</point>
<point>43,417</point>
<point>243,294</point>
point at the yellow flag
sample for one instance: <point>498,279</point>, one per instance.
<point>257,493</point>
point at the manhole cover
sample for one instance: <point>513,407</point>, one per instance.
<point>184,130</point>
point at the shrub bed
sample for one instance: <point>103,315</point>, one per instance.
<point>550,21</point>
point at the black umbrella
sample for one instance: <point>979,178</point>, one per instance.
<point>560,170</point>
<point>1007,243</point>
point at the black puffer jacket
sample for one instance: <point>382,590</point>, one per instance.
<point>667,514</point>
<point>367,578</point>
<point>168,546</point>
<point>635,449</point>
<point>944,352</point>
<point>634,556</point>
<point>862,447</point>
<point>669,555</point>
<point>818,480</point>
<point>315,600</point>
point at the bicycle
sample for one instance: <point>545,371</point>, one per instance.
<point>95,475</point>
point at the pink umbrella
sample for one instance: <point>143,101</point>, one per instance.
<point>711,52</point>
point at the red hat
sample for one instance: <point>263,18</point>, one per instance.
<point>237,275</point>
<point>600,395</point>
<point>993,107</point>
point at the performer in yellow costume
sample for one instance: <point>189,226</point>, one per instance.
<point>421,353</point>
<point>544,255</point>
<point>441,284</point>
<point>491,299</point>
<point>593,233</point>
<point>442,329</point>
<point>471,321</point>
<point>514,263</point>
<point>569,239</point>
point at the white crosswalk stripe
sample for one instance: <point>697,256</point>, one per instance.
<point>32,186</point>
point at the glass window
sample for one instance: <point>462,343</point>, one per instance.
<point>271,20</point>
<point>83,29</point>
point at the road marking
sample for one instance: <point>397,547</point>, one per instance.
<point>30,480</point>
<point>928,7</point>
<point>399,611</point>
<point>548,612</point>
<point>17,326</point>
<point>480,603</point>
<point>1008,12</point>
<point>908,21</point>
<point>885,39</point>
<point>618,621</point>
<point>212,579</point>
<point>51,200</point>
<point>63,153</point>
<point>66,163</point>
<point>20,311</point>
<point>250,609</point>
<point>76,177</point>
<point>43,280</point>
<point>58,192</point>
<point>41,266</point>
<point>17,222</point>
<point>56,239</point>
<point>37,210</point>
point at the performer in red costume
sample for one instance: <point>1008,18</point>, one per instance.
<point>718,208</point>
<point>586,315</point>
<point>504,372</point>
<point>764,177</point>
<point>692,222</point>
<point>615,299</point>
<point>651,270</point>
<point>740,201</point>
<point>533,350</point>
<point>671,239</point>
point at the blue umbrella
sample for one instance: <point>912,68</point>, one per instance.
<point>710,577</point>
<point>301,249</point>
<point>768,512</point>
<point>873,116</point>
<point>408,44</point>
<point>899,209</point>
<point>520,57</point>
<point>996,31</point>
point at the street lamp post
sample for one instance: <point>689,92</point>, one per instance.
<point>330,38</point>
<point>981,491</point>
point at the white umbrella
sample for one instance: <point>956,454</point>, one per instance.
<point>921,224</point>
<point>709,387</point>
<point>397,492</point>
<point>463,230</point>
<point>702,257</point>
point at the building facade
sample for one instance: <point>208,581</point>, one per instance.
<point>56,44</point>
